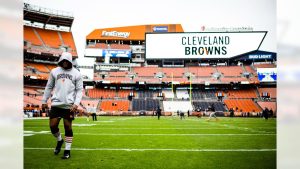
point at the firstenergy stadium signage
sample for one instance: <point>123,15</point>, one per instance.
<point>115,34</point>
<point>201,44</point>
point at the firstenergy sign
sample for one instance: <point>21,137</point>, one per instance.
<point>115,34</point>
<point>201,45</point>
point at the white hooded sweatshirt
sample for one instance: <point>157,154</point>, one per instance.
<point>67,85</point>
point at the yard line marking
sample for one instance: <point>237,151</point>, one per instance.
<point>83,125</point>
<point>240,128</point>
<point>156,149</point>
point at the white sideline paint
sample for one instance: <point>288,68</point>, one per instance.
<point>101,128</point>
<point>31,133</point>
<point>104,121</point>
<point>108,134</point>
<point>120,134</point>
<point>240,128</point>
<point>83,125</point>
<point>156,149</point>
<point>36,118</point>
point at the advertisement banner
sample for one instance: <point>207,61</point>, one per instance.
<point>116,53</point>
<point>267,74</point>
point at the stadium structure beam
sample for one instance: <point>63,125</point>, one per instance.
<point>47,21</point>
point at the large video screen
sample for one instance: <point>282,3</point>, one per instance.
<point>267,74</point>
<point>201,44</point>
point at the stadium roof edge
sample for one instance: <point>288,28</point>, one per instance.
<point>43,15</point>
<point>137,32</point>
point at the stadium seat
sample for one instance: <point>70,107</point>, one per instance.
<point>203,94</point>
<point>246,105</point>
<point>145,104</point>
<point>205,105</point>
<point>177,72</point>
<point>245,94</point>
<point>201,71</point>
<point>98,93</point>
<point>119,46</point>
<point>267,65</point>
<point>271,91</point>
<point>115,105</point>
<point>50,37</point>
<point>38,66</point>
<point>30,36</point>
<point>230,70</point>
<point>68,39</point>
<point>146,71</point>
<point>269,105</point>
<point>91,102</point>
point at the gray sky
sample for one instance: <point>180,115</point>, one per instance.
<point>192,14</point>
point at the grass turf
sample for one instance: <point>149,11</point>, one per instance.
<point>145,142</point>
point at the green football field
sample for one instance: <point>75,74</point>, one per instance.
<point>145,142</point>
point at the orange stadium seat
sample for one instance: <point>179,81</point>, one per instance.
<point>30,90</point>
<point>250,70</point>
<point>242,94</point>
<point>201,71</point>
<point>233,79</point>
<point>68,39</point>
<point>124,93</point>
<point>269,105</point>
<point>246,105</point>
<point>230,70</point>
<point>34,100</point>
<point>104,93</point>
<point>49,37</point>
<point>118,74</point>
<point>50,67</point>
<point>40,67</point>
<point>91,102</point>
<point>30,36</point>
<point>98,45</point>
<point>115,105</point>
<point>271,91</point>
<point>146,71</point>
<point>177,72</point>
<point>118,79</point>
<point>120,46</point>
<point>265,65</point>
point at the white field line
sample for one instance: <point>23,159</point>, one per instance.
<point>111,119</point>
<point>124,134</point>
<point>241,128</point>
<point>157,149</point>
<point>36,118</point>
<point>100,128</point>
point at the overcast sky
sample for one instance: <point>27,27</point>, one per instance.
<point>192,14</point>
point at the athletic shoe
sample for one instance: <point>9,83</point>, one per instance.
<point>67,154</point>
<point>58,146</point>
